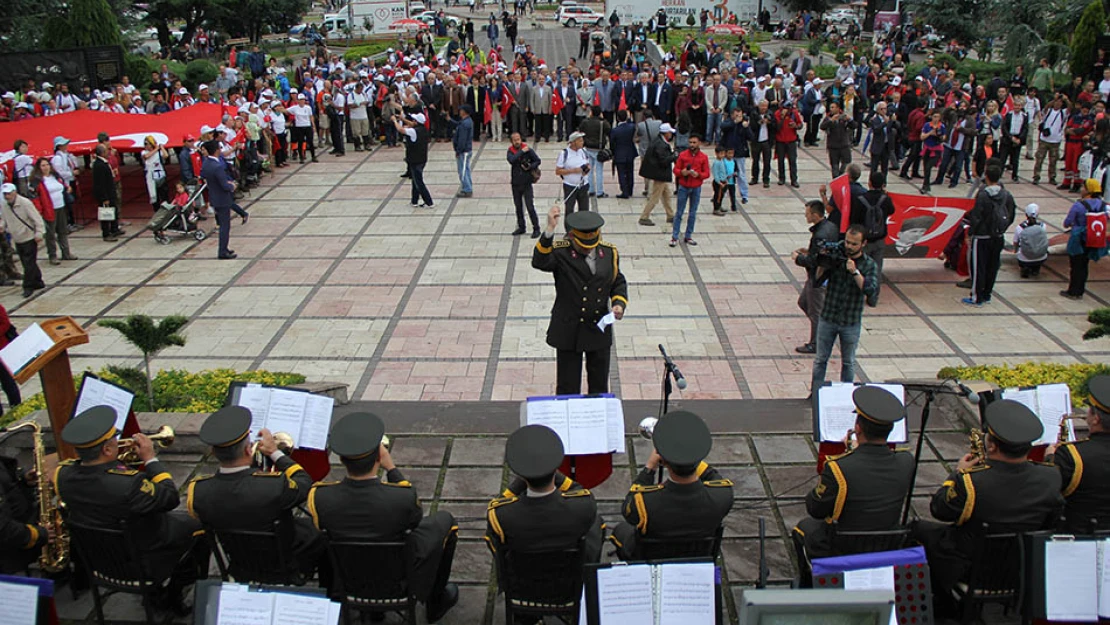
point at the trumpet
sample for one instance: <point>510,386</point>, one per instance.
<point>647,427</point>
<point>284,442</point>
<point>129,455</point>
<point>1062,435</point>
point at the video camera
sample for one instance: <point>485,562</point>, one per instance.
<point>831,255</point>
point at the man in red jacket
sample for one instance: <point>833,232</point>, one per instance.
<point>690,170</point>
<point>787,123</point>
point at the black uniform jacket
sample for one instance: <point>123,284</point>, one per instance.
<point>582,297</point>
<point>370,510</point>
<point>1085,473</point>
<point>864,489</point>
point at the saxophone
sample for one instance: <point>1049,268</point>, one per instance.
<point>55,554</point>
<point>978,445</point>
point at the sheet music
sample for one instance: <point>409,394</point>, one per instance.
<point>317,422</point>
<point>615,424</point>
<point>1053,404</point>
<point>97,392</point>
<point>553,414</point>
<point>587,424</point>
<point>255,398</point>
<point>881,578</point>
<point>687,594</point>
<point>1104,578</point>
<point>299,609</point>
<point>623,594</point>
<point>836,411</point>
<point>898,434</point>
<point>29,345</point>
<point>1071,592</point>
<point>286,411</point>
<point>240,606</point>
<point>21,603</point>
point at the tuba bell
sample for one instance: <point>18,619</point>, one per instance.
<point>647,427</point>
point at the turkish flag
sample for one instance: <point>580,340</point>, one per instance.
<point>487,110</point>
<point>842,196</point>
<point>622,106</point>
<point>557,103</point>
<point>507,100</point>
<point>1096,230</point>
<point>1008,105</point>
<point>597,97</point>
<point>922,225</point>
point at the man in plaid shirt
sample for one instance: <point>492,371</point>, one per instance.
<point>842,315</point>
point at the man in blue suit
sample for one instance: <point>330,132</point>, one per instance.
<point>221,193</point>
<point>663,104</point>
<point>622,139</point>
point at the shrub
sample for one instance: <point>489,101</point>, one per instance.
<point>199,72</point>
<point>174,390</point>
<point>1031,374</point>
<point>825,72</point>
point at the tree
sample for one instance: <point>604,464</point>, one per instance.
<point>813,6</point>
<point>1100,324</point>
<point>962,20</point>
<point>93,24</point>
<point>149,338</point>
<point>1085,39</point>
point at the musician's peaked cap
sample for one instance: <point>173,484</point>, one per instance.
<point>1012,422</point>
<point>226,427</point>
<point>534,451</point>
<point>1099,389</point>
<point>357,435</point>
<point>682,438</point>
<point>878,405</point>
<point>91,428</point>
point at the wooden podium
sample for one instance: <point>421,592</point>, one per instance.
<point>56,376</point>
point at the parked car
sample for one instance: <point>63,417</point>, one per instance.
<point>429,18</point>
<point>573,15</point>
<point>842,16</point>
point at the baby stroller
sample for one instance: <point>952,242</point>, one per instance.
<point>181,221</point>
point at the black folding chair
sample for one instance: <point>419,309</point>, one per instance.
<point>847,543</point>
<point>256,557</point>
<point>541,583</point>
<point>997,575</point>
<point>669,548</point>
<point>112,562</point>
<point>383,587</point>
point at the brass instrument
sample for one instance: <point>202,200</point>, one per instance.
<point>1062,435</point>
<point>978,444</point>
<point>55,554</point>
<point>127,449</point>
<point>647,427</point>
<point>284,442</point>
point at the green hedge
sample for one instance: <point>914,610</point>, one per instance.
<point>1031,374</point>
<point>175,390</point>
<point>373,47</point>
<point>197,72</point>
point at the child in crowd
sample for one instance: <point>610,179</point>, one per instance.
<point>724,180</point>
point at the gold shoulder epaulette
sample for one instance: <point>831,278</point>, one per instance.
<point>1043,464</point>
<point>405,484</point>
<point>561,243</point>
<point>839,456</point>
<point>67,463</point>
<point>902,449</point>
<point>582,492</point>
<point>326,483</point>
<point>123,471</point>
<point>608,244</point>
<point>640,488</point>
<point>267,474</point>
<point>201,477</point>
<point>978,467</point>
<point>719,483</point>
<point>501,501</point>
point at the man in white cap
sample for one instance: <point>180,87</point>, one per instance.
<point>573,166</point>
<point>656,166</point>
<point>416,136</point>
<point>27,229</point>
<point>1031,243</point>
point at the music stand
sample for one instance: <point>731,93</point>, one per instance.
<point>56,375</point>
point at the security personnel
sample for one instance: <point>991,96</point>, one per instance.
<point>543,518</point>
<point>588,285</point>
<point>693,501</point>
<point>21,538</point>
<point>864,489</point>
<point>1085,466</point>
<point>100,492</point>
<point>239,497</point>
<point>363,507</point>
<point>1008,492</point>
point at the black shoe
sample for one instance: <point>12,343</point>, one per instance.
<point>314,160</point>
<point>536,233</point>
<point>601,195</point>
<point>964,284</point>
<point>518,232</point>
<point>27,292</point>
<point>443,603</point>
<point>1064,293</point>
<point>230,255</point>
<point>796,185</point>
<point>111,238</point>
<point>245,218</point>
<point>808,348</point>
<point>1063,187</point>
<point>7,282</point>
<point>781,183</point>
<point>766,184</point>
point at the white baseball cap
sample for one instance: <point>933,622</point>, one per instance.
<point>205,129</point>
<point>202,88</point>
<point>8,188</point>
<point>1032,210</point>
<point>417,117</point>
<point>666,128</point>
<point>897,80</point>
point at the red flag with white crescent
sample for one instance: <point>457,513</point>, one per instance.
<point>557,103</point>
<point>1008,105</point>
<point>623,105</point>
<point>487,110</point>
<point>507,100</point>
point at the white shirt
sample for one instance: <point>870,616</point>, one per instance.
<point>66,102</point>
<point>302,115</point>
<point>63,164</point>
<point>358,106</point>
<point>1104,89</point>
<point>340,103</point>
<point>1054,121</point>
<point>572,159</point>
<point>277,121</point>
<point>56,191</point>
<point>23,165</point>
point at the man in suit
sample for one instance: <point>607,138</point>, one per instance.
<point>540,103</point>
<point>522,97</point>
<point>630,92</point>
<point>761,65</point>
<point>863,489</point>
<point>800,67</point>
<point>716,99</point>
<point>663,102</point>
<point>1005,491</point>
<point>364,507</point>
<point>100,492</point>
<point>564,121</point>
<point>581,263</point>
<point>431,94</point>
<point>1015,132</point>
<point>645,97</point>
<point>221,194</point>
<point>1085,466</point>
<point>693,501</point>
<point>454,96</point>
<point>608,95</point>
<point>647,129</point>
<point>238,497</point>
<point>622,140</point>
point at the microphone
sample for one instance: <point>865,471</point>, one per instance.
<point>971,395</point>
<point>679,380</point>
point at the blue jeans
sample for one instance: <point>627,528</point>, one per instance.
<point>712,128</point>
<point>694,196</point>
<point>827,333</point>
<point>597,173</point>
<point>463,162</point>
<point>742,175</point>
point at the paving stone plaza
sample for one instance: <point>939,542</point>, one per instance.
<point>340,279</point>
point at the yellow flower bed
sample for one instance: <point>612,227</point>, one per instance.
<point>1032,374</point>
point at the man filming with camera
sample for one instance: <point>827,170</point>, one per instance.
<point>823,233</point>
<point>852,276</point>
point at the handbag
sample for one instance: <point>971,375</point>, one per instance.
<point>106,213</point>
<point>603,154</point>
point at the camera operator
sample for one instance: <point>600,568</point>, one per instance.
<point>852,276</point>
<point>822,234</point>
<point>572,165</point>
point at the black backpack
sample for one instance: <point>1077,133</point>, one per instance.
<point>1000,215</point>
<point>874,220</point>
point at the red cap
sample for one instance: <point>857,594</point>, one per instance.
<point>188,138</point>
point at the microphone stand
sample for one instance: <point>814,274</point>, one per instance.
<point>664,403</point>
<point>930,391</point>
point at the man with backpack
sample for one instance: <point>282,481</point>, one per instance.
<point>1087,220</point>
<point>871,211</point>
<point>1031,243</point>
<point>988,221</point>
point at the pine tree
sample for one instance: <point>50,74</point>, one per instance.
<point>93,24</point>
<point>149,338</point>
<point>1085,38</point>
